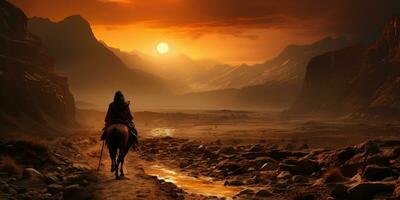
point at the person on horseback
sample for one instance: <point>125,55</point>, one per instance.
<point>119,112</point>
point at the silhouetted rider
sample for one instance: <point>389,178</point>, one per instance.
<point>119,112</point>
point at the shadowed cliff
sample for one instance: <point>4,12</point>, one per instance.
<point>33,97</point>
<point>357,79</point>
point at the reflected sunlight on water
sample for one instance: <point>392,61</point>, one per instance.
<point>162,132</point>
<point>201,185</point>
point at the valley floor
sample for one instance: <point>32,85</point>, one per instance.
<point>211,155</point>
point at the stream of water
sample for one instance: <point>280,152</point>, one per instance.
<point>201,185</point>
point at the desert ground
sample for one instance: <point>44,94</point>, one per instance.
<point>219,154</point>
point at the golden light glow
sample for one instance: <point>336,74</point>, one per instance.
<point>162,48</point>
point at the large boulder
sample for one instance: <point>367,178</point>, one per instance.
<point>345,154</point>
<point>377,173</point>
<point>379,160</point>
<point>366,190</point>
<point>396,192</point>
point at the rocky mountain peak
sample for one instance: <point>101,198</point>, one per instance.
<point>12,21</point>
<point>75,28</point>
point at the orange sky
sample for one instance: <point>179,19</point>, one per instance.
<point>231,31</point>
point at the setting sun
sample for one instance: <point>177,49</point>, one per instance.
<point>162,48</point>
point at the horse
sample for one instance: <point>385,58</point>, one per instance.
<point>118,140</point>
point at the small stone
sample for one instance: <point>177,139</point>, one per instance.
<point>30,173</point>
<point>82,167</point>
<point>299,179</point>
<point>51,178</point>
<point>54,188</point>
<point>284,175</point>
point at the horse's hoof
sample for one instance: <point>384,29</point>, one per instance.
<point>122,175</point>
<point>117,178</point>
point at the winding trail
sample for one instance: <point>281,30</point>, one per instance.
<point>135,185</point>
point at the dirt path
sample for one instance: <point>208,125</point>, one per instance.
<point>135,185</point>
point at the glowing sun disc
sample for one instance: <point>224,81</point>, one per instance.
<point>162,48</point>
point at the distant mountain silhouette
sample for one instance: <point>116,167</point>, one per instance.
<point>33,98</point>
<point>357,79</point>
<point>272,84</point>
<point>94,71</point>
<point>288,66</point>
<point>187,71</point>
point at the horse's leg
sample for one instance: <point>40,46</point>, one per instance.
<point>112,153</point>
<point>121,158</point>
<point>117,165</point>
<point>122,167</point>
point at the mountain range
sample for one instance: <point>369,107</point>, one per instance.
<point>273,84</point>
<point>209,84</point>
<point>94,71</point>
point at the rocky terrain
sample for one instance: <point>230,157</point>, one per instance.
<point>32,96</point>
<point>356,79</point>
<point>66,168</point>
<point>292,171</point>
<point>33,170</point>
